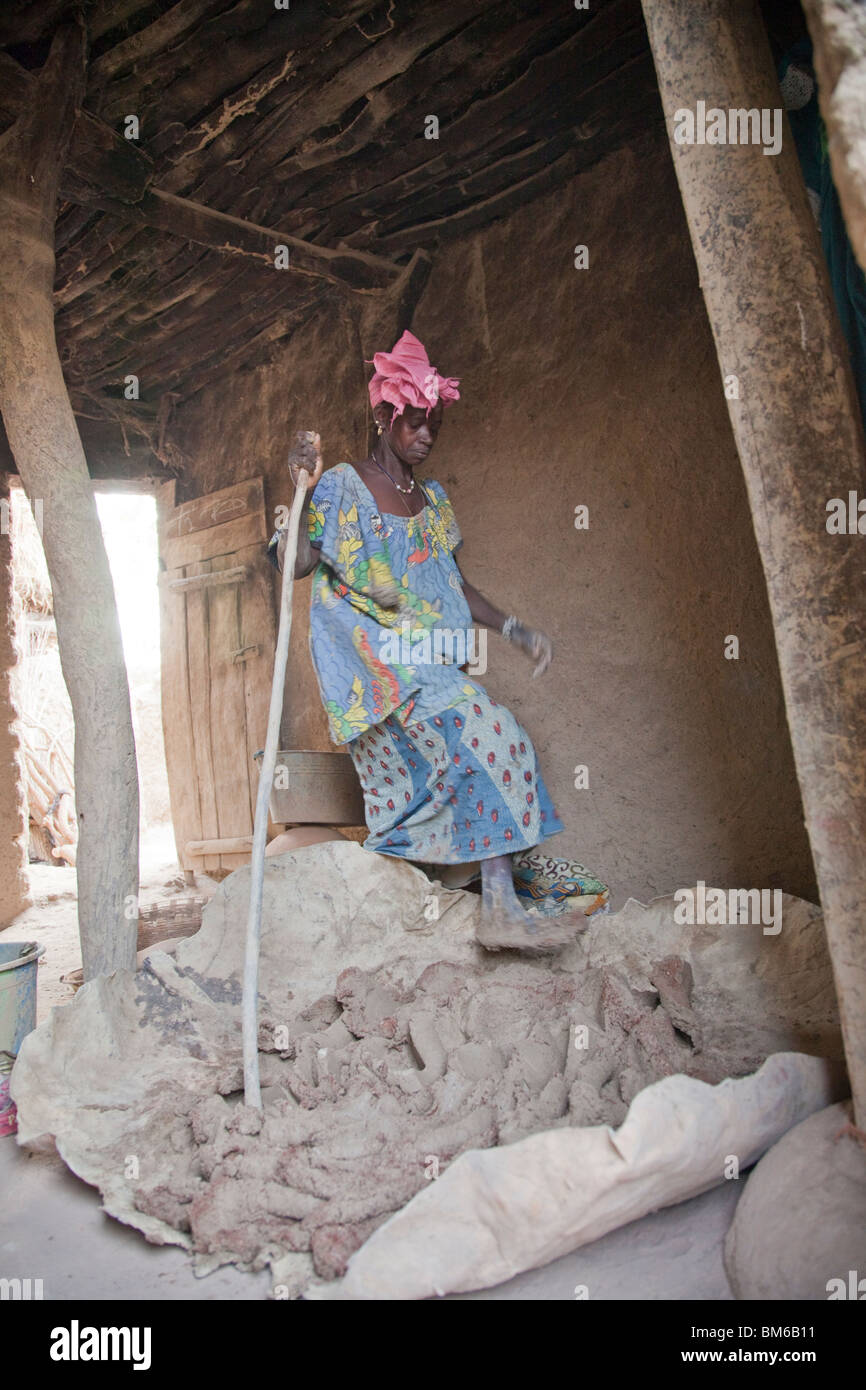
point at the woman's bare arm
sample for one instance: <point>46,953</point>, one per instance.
<point>308,554</point>
<point>483,611</point>
<point>537,645</point>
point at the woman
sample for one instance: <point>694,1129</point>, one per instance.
<point>449,776</point>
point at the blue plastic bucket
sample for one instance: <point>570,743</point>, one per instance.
<point>17,992</point>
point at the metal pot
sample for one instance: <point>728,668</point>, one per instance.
<point>315,789</point>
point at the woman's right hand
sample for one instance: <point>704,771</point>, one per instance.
<point>536,645</point>
<point>306,454</point>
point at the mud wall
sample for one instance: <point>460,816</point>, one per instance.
<point>595,387</point>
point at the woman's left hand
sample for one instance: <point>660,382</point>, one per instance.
<point>537,646</point>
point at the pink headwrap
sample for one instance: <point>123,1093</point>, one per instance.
<point>404,377</point>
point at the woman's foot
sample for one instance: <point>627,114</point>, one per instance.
<point>507,926</point>
<point>534,936</point>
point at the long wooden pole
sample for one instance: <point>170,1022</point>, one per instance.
<point>44,439</point>
<point>838,30</point>
<point>798,432</point>
<point>250,999</point>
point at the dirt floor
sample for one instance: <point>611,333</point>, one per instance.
<point>52,919</point>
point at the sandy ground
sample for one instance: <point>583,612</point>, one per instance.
<point>52,919</point>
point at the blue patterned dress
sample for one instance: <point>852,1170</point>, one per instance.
<point>448,775</point>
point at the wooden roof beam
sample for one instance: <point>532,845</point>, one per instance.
<point>113,452</point>
<point>233,236</point>
<point>156,37</point>
<point>25,21</point>
<point>105,171</point>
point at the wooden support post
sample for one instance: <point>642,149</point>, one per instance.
<point>44,439</point>
<point>796,424</point>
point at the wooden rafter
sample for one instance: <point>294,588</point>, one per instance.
<point>303,127</point>
<point>107,172</point>
<point>234,236</point>
<point>146,43</point>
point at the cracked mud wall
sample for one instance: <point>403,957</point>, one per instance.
<point>595,387</point>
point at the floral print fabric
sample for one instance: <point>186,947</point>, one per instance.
<point>461,785</point>
<point>384,587</point>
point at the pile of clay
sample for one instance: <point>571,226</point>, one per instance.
<point>377,1086</point>
<point>389,1043</point>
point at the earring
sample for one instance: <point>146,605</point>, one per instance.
<point>380,430</point>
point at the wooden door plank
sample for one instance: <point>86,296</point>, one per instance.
<point>214,540</point>
<point>258,625</point>
<point>177,721</point>
<point>165,500</point>
<point>240,845</point>
<point>227,712</point>
<point>202,766</point>
<point>216,508</point>
<point>204,581</point>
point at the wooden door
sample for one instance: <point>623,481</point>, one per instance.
<point>217,641</point>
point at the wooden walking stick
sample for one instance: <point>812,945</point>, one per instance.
<point>249,1010</point>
